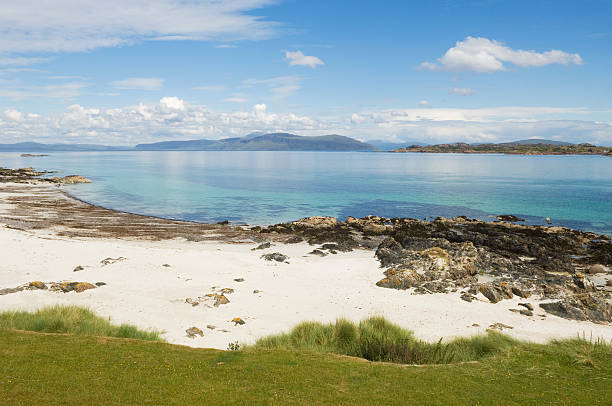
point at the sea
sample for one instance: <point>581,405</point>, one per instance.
<point>261,187</point>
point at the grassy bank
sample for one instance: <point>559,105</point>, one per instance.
<point>70,320</point>
<point>376,339</point>
<point>75,370</point>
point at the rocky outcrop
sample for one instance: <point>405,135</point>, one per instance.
<point>70,180</point>
<point>491,261</point>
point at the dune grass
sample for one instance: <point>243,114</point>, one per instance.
<point>71,320</point>
<point>376,339</point>
<point>85,370</point>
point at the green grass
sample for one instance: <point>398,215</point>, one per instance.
<point>287,369</point>
<point>70,320</point>
<point>78,370</point>
<point>376,339</point>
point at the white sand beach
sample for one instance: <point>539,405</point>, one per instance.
<point>149,287</point>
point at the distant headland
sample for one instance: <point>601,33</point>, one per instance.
<point>522,147</point>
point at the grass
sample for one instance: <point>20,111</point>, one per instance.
<point>76,370</point>
<point>70,320</point>
<point>72,369</point>
<point>376,339</point>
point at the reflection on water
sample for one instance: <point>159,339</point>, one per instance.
<point>269,187</point>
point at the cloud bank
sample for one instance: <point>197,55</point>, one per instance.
<point>174,118</point>
<point>483,55</point>
<point>82,25</point>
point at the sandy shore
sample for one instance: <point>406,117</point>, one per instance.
<point>167,262</point>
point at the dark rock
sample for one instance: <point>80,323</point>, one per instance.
<point>109,261</point>
<point>318,252</point>
<point>526,312</point>
<point>7,291</point>
<point>36,285</point>
<point>275,256</point>
<point>490,293</point>
<point>238,321</point>
<point>262,246</point>
<point>78,268</point>
<point>509,218</point>
<point>239,280</point>
<point>389,252</point>
<point>520,292</point>
<point>294,239</point>
<point>581,307</point>
<point>528,306</point>
<point>98,284</point>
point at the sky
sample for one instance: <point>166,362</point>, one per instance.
<point>121,72</point>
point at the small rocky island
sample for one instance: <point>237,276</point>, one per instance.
<point>512,148</point>
<point>567,271</point>
<point>30,175</point>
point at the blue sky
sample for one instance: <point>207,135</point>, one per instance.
<point>123,72</point>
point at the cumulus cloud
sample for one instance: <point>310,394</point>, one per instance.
<point>138,83</point>
<point>483,55</point>
<point>297,58</point>
<point>462,91</point>
<point>174,118</point>
<point>82,25</point>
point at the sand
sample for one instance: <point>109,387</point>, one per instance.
<point>143,291</point>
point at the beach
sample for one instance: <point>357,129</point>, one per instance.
<point>157,274</point>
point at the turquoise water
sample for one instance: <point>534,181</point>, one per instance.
<point>272,187</point>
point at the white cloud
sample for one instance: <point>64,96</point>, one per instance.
<point>485,56</point>
<point>236,98</point>
<point>297,58</point>
<point>211,88</point>
<point>424,103</point>
<point>21,61</point>
<point>280,87</point>
<point>82,25</point>
<point>226,46</point>
<point>462,91</point>
<point>138,83</point>
<point>67,90</point>
<point>174,118</point>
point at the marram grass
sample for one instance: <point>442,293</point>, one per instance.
<point>70,320</point>
<point>377,339</point>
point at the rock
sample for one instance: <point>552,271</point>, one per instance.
<point>509,218</point>
<point>499,327</point>
<point>220,300</point>
<point>262,246</point>
<point>192,302</point>
<point>467,297</point>
<point>389,252</point>
<point>109,260</point>
<point>239,280</point>
<point>223,223</point>
<point>294,240</point>
<point>520,292</point>
<point>318,252</point>
<point>166,265</point>
<point>238,321</point>
<point>490,293</point>
<point>583,306</point>
<point>275,256</point>
<point>609,282</point>
<point>598,268</point>
<point>226,291</point>
<point>7,291</point>
<point>192,332</point>
<point>36,285</point>
<point>256,291</point>
<point>526,312</point>
<point>98,284</point>
<point>528,306</point>
<point>317,222</point>
<point>78,268</point>
<point>71,179</point>
<point>504,290</point>
<point>210,327</point>
<point>77,287</point>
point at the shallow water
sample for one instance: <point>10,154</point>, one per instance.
<point>271,187</point>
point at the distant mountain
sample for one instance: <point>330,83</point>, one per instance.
<point>265,142</point>
<point>38,147</point>
<point>534,141</point>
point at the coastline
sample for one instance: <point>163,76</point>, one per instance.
<point>48,234</point>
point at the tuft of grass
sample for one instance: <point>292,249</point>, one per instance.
<point>71,320</point>
<point>377,339</point>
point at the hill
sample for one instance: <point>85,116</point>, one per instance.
<point>536,141</point>
<point>250,142</point>
<point>265,142</point>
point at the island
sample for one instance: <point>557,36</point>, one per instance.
<point>523,147</point>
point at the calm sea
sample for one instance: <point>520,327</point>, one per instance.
<point>272,187</point>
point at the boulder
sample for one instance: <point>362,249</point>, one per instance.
<point>238,321</point>
<point>490,293</point>
<point>316,222</point>
<point>262,246</point>
<point>275,256</point>
<point>192,332</point>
